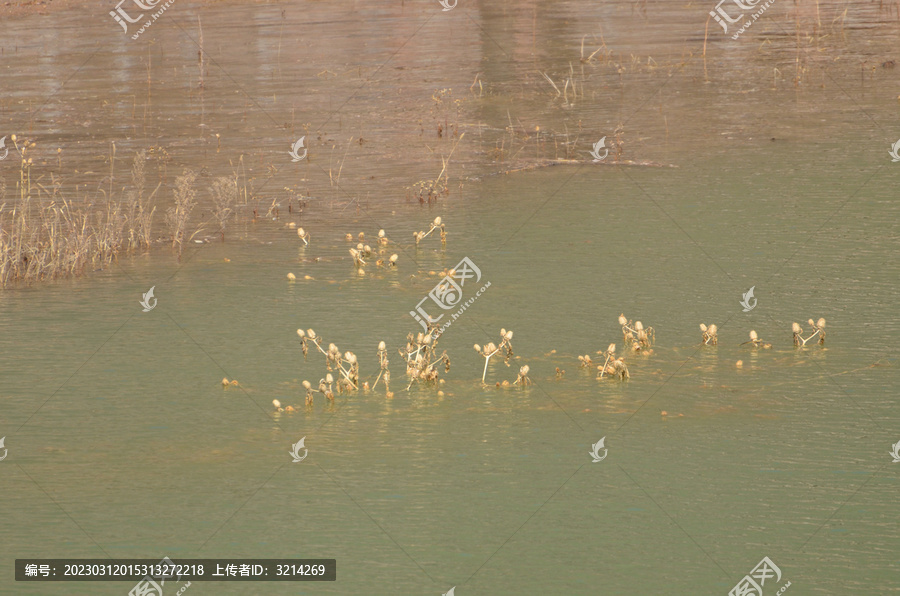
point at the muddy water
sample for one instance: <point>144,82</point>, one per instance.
<point>122,442</point>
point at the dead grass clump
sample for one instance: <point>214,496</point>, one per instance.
<point>178,215</point>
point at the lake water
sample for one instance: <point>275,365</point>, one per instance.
<point>123,443</point>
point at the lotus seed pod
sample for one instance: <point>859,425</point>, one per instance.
<point>276,403</point>
<point>420,337</point>
<point>367,248</point>
<point>301,333</point>
<point>351,357</point>
<point>428,339</point>
<point>292,225</point>
<point>509,334</point>
<point>381,346</point>
<point>622,319</point>
<point>349,237</point>
<point>503,333</point>
<point>311,333</point>
<point>437,221</point>
<point>451,273</point>
<point>811,323</point>
<point>353,252</point>
<point>713,329</point>
<point>332,347</point>
<point>702,327</point>
<point>753,335</point>
<point>301,232</point>
<point>291,276</point>
<point>329,379</point>
<point>524,370</point>
<point>224,381</point>
<point>360,247</point>
<point>361,271</point>
<point>477,348</point>
<point>820,324</point>
<point>362,236</point>
<point>306,385</point>
<point>795,327</point>
<point>394,258</point>
<point>639,326</point>
<point>381,233</point>
<point>491,347</point>
<point>611,349</point>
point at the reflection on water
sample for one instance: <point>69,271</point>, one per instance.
<point>138,450</point>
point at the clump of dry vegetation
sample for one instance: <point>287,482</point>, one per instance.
<point>178,215</point>
<point>44,235</point>
<point>224,192</point>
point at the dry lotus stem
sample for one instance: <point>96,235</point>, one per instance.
<point>420,350</point>
<point>610,354</point>
<point>435,225</point>
<point>757,343</point>
<point>309,392</point>
<point>615,368</point>
<point>710,334</point>
<point>383,362</point>
<point>302,335</point>
<point>819,327</point>
<point>490,350</point>
<point>636,333</point>
<point>523,376</point>
<point>357,258</point>
<point>391,262</point>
